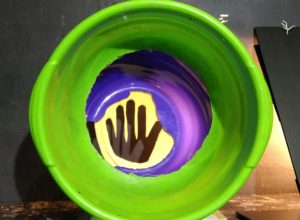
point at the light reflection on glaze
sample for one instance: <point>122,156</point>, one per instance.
<point>183,106</point>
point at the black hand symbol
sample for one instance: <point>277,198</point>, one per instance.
<point>134,149</point>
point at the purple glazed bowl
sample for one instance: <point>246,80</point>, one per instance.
<point>183,105</point>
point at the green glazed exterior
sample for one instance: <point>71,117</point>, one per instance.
<point>241,105</point>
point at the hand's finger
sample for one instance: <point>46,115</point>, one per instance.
<point>130,112</point>
<point>150,142</point>
<point>153,135</point>
<point>120,129</point>
<point>110,131</point>
<point>91,128</point>
<point>141,122</point>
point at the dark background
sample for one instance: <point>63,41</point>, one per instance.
<point>29,32</point>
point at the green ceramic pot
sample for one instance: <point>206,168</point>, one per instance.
<point>241,105</point>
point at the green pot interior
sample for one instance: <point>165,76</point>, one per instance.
<point>241,104</point>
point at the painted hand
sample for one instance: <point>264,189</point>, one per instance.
<point>135,149</point>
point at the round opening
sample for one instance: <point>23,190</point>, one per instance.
<point>240,103</point>
<point>148,113</point>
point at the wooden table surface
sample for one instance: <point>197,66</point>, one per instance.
<point>271,186</point>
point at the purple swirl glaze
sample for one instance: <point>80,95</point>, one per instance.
<point>183,106</point>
